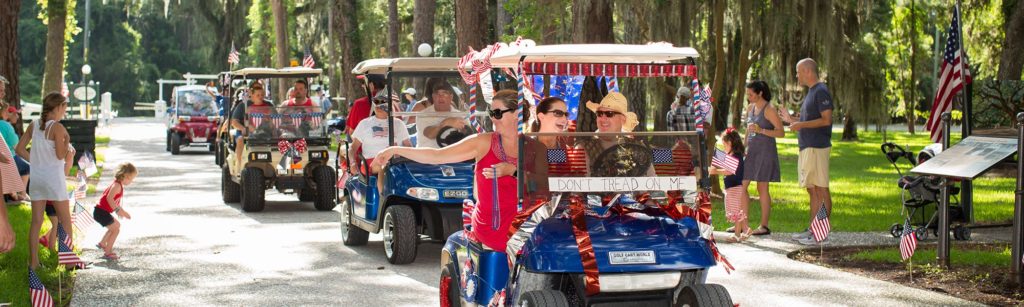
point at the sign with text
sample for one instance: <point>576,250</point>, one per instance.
<point>969,158</point>
<point>621,184</point>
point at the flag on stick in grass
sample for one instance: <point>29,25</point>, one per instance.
<point>40,297</point>
<point>82,187</point>
<point>65,255</point>
<point>86,163</point>
<point>81,219</point>
<point>725,161</point>
<point>819,225</point>
<point>62,235</point>
<point>908,242</point>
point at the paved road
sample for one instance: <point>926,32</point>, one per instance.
<point>185,247</point>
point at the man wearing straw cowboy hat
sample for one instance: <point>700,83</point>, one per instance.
<point>613,116</point>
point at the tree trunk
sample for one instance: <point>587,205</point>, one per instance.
<point>393,28</point>
<point>635,32</point>
<point>747,57</point>
<point>547,18</point>
<point>717,23</point>
<point>1011,62</point>
<point>346,24</point>
<point>666,22</point>
<point>423,23</point>
<point>280,43</point>
<point>912,103</point>
<point>849,128</point>
<point>592,21</point>
<point>9,62</point>
<point>53,75</point>
<point>334,73</point>
<point>502,20</point>
<point>470,25</point>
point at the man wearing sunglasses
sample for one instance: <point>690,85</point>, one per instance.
<point>430,128</point>
<point>612,117</point>
<point>371,136</point>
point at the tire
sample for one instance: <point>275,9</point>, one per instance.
<point>450,293</point>
<point>896,230</point>
<point>351,235</point>
<point>212,147</point>
<point>544,298</point>
<point>400,234</point>
<point>175,143</point>
<point>218,154</point>
<point>253,191</point>
<point>324,197</point>
<point>229,190</point>
<point>168,141</point>
<point>704,295</point>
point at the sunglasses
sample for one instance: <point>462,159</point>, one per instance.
<point>607,113</point>
<point>496,114</point>
<point>557,113</point>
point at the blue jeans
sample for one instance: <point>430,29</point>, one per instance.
<point>23,166</point>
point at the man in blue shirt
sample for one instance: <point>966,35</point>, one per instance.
<point>814,136</point>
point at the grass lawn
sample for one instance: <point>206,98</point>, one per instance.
<point>14,264</point>
<point>863,186</point>
<point>925,255</point>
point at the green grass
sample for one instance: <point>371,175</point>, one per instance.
<point>925,255</point>
<point>14,264</point>
<point>102,140</point>
<point>863,186</point>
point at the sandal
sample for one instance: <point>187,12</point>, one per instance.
<point>762,231</point>
<point>746,234</point>
<point>99,246</point>
<point>110,256</point>
<point>733,239</point>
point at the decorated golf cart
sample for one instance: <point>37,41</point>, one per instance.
<point>418,200</point>
<point>192,118</point>
<point>286,148</point>
<point>605,217</point>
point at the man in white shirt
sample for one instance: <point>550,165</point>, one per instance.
<point>371,135</point>
<point>440,100</point>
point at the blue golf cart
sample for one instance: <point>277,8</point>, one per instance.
<point>419,201</point>
<point>606,219</point>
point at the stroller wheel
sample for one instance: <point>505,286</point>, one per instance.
<point>921,233</point>
<point>896,230</point>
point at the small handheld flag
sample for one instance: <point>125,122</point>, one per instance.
<point>40,297</point>
<point>725,161</point>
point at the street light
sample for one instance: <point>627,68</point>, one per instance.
<point>424,50</point>
<point>86,70</point>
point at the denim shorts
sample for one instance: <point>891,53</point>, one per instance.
<point>23,166</point>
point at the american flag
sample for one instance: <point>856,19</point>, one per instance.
<point>257,119</point>
<point>86,163</point>
<point>296,119</point>
<point>233,55</point>
<point>908,242</point>
<point>40,298</point>
<point>701,106</point>
<point>65,255</point>
<point>725,161</point>
<point>62,235</point>
<point>378,132</point>
<point>467,213</point>
<point>276,119</point>
<point>315,117</point>
<point>81,219</point>
<point>673,162</point>
<point>951,79</point>
<point>307,59</point>
<point>82,187</point>
<point>820,225</point>
<point>567,162</point>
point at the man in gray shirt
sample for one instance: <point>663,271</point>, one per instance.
<point>814,136</point>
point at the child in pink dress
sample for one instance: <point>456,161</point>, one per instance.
<point>736,197</point>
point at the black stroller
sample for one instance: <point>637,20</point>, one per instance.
<point>920,196</point>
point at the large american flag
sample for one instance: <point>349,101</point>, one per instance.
<point>65,255</point>
<point>952,78</point>
<point>725,161</point>
<point>908,242</point>
<point>820,225</point>
<point>566,162</point>
<point>233,55</point>
<point>307,59</point>
<point>40,298</point>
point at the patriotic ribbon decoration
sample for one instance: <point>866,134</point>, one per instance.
<point>296,119</point>
<point>315,118</point>
<point>276,120</point>
<point>299,145</point>
<point>256,118</point>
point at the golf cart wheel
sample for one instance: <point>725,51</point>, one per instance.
<point>253,190</point>
<point>350,234</point>
<point>307,194</point>
<point>544,298</point>
<point>324,195</point>
<point>449,285</point>
<point>896,230</point>
<point>229,190</point>
<point>705,295</point>
<point>218,154</point>
<point>168,141</point>
<point>212,147</point>
<point>175,143</point>
<point>400,234</point>
<point>962,233</point>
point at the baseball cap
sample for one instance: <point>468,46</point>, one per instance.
<point>3,80</point>
<point>410,91</point>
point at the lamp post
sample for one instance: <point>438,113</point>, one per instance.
<point>86,70</point>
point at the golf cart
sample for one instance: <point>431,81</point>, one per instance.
<point>417,199</point>
<point>192,118</point>
<point>286,149</point>
<point>629,226</point>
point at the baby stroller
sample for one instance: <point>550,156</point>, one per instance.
<point>920,196</point>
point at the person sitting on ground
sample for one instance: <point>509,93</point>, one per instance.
<point>371,136</point>
<point>240,116</point>
<point>432,131</point>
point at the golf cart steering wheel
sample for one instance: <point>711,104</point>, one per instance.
<point>622,160</point>
<point>448,135</point>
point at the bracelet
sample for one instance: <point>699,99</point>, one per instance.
<point>117,209</point>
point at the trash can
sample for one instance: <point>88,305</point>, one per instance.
<point>83,136</point>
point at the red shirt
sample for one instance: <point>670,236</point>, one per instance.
<point>360,110</point>
<point>292,103</point>
<point>108,207</point>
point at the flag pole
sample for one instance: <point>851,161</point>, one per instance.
<point>965,120</point>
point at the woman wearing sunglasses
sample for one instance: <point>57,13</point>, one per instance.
<point>489,150</point>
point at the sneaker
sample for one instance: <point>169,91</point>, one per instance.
<point>811,241</point>
<point>801,235</point>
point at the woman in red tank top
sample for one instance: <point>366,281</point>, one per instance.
<point>494,153</point>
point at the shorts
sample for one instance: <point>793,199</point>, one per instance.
<point>50,210</point>
<point>734,211</point>
<point>812,166</point>
<point>23,166</point>
<point>103,217</point>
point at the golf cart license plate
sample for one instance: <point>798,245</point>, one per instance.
<point>198,139</point>
<point>456,193</point>
<point>631,257</point>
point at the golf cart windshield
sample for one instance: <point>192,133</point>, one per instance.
<point>611,168</point>
<point>443,101</point>
<point>195,102</point>
<point>270,124</point>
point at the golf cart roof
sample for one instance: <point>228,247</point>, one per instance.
<point>381,66</point>
<point>264,72</point>
<point>592,53</point>
<point>191,87</point>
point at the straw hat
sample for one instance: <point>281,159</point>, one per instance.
<point>617,102</point>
